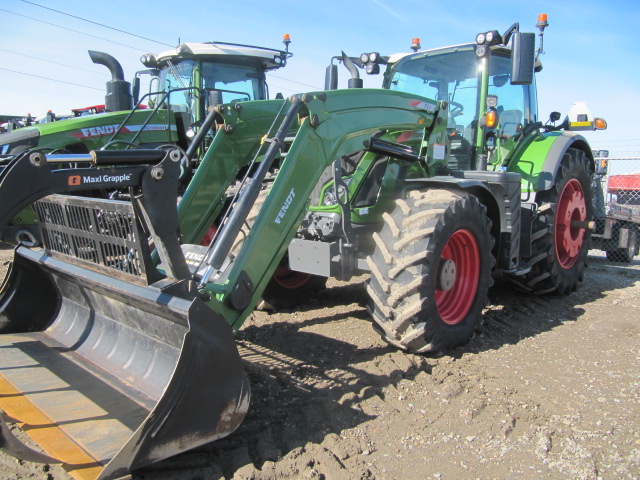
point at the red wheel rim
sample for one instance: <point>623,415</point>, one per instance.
<point>571,207</point>
<point>287,278</point>
<point>454,301</point>
<point>211,232</point>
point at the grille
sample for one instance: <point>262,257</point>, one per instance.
<point>103,235</point>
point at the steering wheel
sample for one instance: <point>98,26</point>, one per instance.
<point>456,109</point>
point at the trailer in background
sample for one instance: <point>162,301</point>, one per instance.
<point>616,195</point>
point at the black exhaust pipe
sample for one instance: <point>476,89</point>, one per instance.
<point>355,81</point>
<point>118,90</point>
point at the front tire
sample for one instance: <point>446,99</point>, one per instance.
<point>431,271</point>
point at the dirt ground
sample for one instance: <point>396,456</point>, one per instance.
<point>548,389</point>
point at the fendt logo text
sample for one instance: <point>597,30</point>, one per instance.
<point>99,131</point>
<point>285,206</point>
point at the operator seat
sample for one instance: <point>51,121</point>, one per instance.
<point>511,121</point>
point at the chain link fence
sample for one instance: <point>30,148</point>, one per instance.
<point>616,199</point>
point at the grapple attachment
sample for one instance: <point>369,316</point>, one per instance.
<point>107,363</point>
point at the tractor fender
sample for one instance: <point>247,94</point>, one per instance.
<point>474,187</point>
<point>499,192</point>
<point>540,162</point>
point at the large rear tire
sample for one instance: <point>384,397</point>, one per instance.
<point>559,250</point>
<point>431,271</point>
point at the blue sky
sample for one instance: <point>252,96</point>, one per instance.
<point>590,46</point>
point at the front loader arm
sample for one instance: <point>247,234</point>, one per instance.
<point>333,124</point>
<point>232,148</point>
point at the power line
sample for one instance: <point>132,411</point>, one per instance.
<point>96,23</point>
<point>72,30</point>
<point>107,40</point>
<point>293,81</point>
<point>51,79</point>
<point>51,61</point>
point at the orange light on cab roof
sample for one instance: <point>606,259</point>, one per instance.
<point>286,37</point>
<point>542,21</point>
<point>600,124</point>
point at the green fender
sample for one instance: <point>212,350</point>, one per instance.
<point>539,159</point>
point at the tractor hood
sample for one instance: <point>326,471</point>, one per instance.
<point>19,140</point>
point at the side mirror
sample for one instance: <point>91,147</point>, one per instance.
<point>522,58</point>
<point>135,90</point>
<point>554,117</point>
<point>331,78</point>
<point>215,98</point>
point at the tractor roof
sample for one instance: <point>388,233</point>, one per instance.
<point>464,46</point>
<point>267,58</point>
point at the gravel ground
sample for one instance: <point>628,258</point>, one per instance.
<point>548,389</point>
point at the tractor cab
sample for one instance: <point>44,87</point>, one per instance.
<point>473,87</point>
<point>487,89</point>
<point>196,76</point>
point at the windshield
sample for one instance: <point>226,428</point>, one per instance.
<point>453,76</point>
<point>178,75</point>
<point>232,83</point>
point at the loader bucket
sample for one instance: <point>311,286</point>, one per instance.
<point>108,376</point>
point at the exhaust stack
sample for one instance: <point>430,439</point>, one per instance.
<point>118,90</point>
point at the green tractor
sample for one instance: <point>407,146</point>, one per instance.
<point>135,318</point>
<point>184,84</point>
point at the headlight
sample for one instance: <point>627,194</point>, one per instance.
<point>372,68</point>
<point>480,38</point>
<point>364,58</point>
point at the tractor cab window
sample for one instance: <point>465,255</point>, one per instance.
<point>177,81</point>
<point>184,81</point>
<point>449,76</point>
<point>453,75</point>
<point>236,83</point>
<point>512,101</point>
